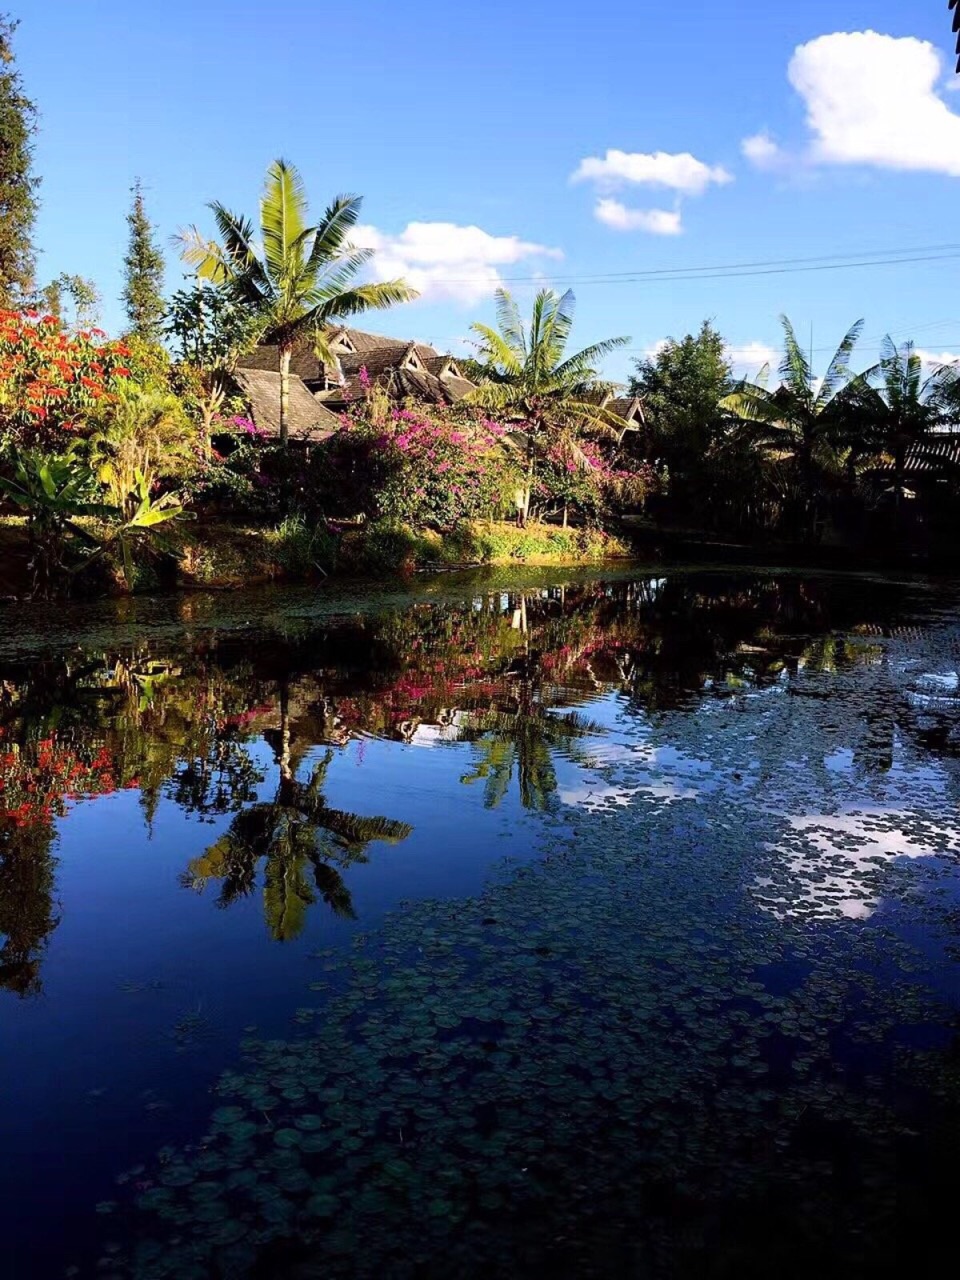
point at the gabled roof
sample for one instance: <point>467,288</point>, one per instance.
<point>400,383</point>
<point>379,359</point>
<point>307,418</point>
<point>303,360</point>
<point>630,408</point>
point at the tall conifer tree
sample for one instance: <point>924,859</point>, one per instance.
<point>143,274</point>
<point>18,186</point>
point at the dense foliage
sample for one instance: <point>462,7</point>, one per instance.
<point>143,274</point>
<point>52,381</point>
<point>18,183</point>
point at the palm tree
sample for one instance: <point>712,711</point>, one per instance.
<point>800,420</point>
<point>528,377</point>
<point>298,279</point>
<point>897,408</point>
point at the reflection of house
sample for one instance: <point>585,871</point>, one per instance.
<point>405,370</point>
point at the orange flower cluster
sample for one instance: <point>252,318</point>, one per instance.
<point>52,381</point>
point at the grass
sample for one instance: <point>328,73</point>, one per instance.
<point>225,555</point>
<point>388,547</point>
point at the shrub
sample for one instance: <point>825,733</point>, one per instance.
<point>413,465</point>
<point>53,382</point>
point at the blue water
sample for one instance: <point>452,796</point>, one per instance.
<point>706,701</point>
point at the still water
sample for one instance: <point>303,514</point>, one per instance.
<point>531,924</point>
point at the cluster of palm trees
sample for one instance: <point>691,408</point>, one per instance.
<point>299,277</point>
<point>842,423</point>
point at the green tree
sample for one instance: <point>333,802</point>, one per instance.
<point>72,291</point>
<point>894,407</point>
<point>801,422</point>
<point>300,278</point>
<point>18,186</point>
<point>529,379</point>
<point>211,329</point>
<point>143,274</point>
<point>682,388</point>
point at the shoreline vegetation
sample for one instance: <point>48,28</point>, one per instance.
<point>232,556</point>
<point>241,430</point>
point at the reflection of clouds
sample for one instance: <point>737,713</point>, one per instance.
<point>831,868</point>
<point>599,795</point>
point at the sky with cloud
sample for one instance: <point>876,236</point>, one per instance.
<point>634,156</point>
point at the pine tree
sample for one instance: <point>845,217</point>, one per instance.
<point>143,274</point>
<point>18,186</point>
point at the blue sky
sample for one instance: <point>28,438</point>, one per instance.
<point>527,142</point>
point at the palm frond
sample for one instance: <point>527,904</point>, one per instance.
<point>366,297</point>
<point>584,360</point>
<point>838,371</point>
<point>330,239</point>
<point>283,210</point>
<point>795,367</point>
<point>509,321</point>
<point>497,350</point>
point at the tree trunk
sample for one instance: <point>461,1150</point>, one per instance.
<point>565,512</point>
<point>285,353</point>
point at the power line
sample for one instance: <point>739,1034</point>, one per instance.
<point>738,270</point>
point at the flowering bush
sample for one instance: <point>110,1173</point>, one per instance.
<point>413,465</point>
<point>52,381</point>
<point>587,480</point>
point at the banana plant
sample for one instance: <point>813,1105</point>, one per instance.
<point>54,492</point>
<point>146,514</point>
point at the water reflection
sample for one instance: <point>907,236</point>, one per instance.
<point>506,674</point>
<point>297,835</point>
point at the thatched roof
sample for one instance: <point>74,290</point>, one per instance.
<point>630,408</point>
<point>400,383</point>
<point>308,419</point>
<point>303,360</point>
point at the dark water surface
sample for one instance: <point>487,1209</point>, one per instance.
<point>532,924</point>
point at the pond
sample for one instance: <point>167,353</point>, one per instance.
<point>535,923</point>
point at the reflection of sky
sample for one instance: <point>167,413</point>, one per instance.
<point>834,822</point>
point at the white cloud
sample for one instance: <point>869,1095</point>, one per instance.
<point>658,222</point>
<point>683,173</point>
<point>747,360</point>
<point>873,100</point>
<point>445,260</point>
<point>750,359</point>
<point>762,151</point>
<point>932,359</point>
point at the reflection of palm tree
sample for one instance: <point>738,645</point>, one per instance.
<point>523,741</point>
<point>296,832</point>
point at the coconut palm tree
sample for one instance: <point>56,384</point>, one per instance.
<point>298,278</point>
<point>529,379</point>
<point>896,407</point>
<point>800,421</point>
